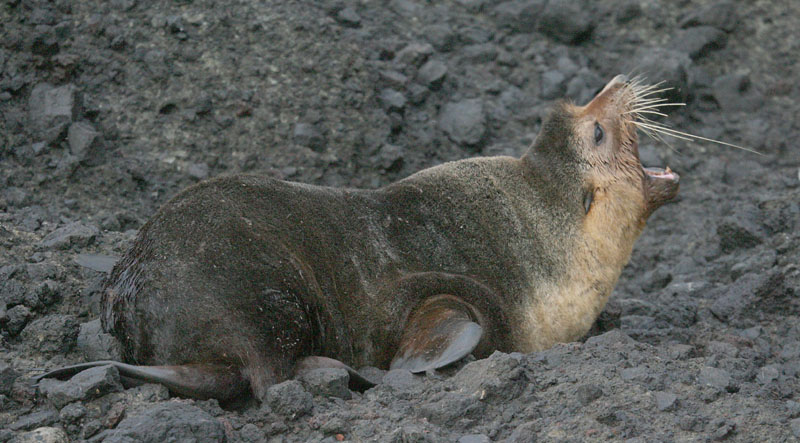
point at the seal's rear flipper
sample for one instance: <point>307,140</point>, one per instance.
<point>201,381</point>
<point>357,381</point>
<point>439,332</point>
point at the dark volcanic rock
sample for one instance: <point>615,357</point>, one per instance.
<point>171,421</point>
<point>88,384</point>
<point>328,382</point>
<point>464,121</point>
<point>697,42</point>
<point>95,344</point>
<point>42,435</point>
<point>498,377</point>
<point>85,142</point>
<point>667,65</point>
<point>518,15</point>
<point>566,21</point>
<point>309,135</point>
<point>722,15</point>
<point>392,100</point>
<point>17,318</point>
<point>52,109</point>
<point>53,333</point>
<point>74,234</point>
<point>35,420</point>
<point>736,93</point>
<point>432,73</point>
<point>7,377</point>
<point>289,398</point>
<point>414,54</point>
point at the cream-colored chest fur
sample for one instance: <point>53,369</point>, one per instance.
<point>565,309</point>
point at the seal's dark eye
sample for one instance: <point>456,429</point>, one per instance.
<point>598,134</point>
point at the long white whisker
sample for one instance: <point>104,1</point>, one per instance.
<point>637,111</point>
<point>673,132</point>
<point>665,131</point>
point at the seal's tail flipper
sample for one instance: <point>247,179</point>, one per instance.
<point>357,381</point>
<point>439,332</point>
<point>201,381</point>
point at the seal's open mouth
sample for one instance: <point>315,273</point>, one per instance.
<point>663,174</point>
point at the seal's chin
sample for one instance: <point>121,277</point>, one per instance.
<point>660,186</point>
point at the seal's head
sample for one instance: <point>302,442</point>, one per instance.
<point>600,144</point>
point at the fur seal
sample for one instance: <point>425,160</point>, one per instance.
<point>240,282</point>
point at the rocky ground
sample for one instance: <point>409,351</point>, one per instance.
<point>108,108</point>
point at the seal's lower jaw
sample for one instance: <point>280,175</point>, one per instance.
<point>661,186</point>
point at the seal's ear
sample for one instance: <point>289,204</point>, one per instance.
<point>438,333</point>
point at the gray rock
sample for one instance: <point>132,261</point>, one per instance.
<point>393,78</point>
<point>716,378</point>
<point>348,17</point>
<point>474,438</point>
<point>628,11</point>
<point>289,398</point>
<point>667,65</point>
<point>643,375</point>
<point>12,292</point>
<point>401,380</point>
<point>51,334</point>
<point>390,157</point>
<point>328,382</point>
<point>85,142</point>
<point>518,15</point>
<point>309,135</point>
<point>588,393</point>
<point>768,374</point>
<point>699,41</point>
<point>665,401</point>
<point>72,412</point>
<point>198,171</point>
<point>524,433</point>
<point>613,338</point>
<point>414,54</point>
<point>722,15</point>
<point>43,435</point>
<point>736,93</point>
<point>479,53</point>
<point>441,36</point>
<point>52,109</point>
<point>452,407</point>
<point>73,234</point>
<point>17,319</point>
<point>34,420</point>
<point>553,85</point>
<point>91,383</point>
<point>464,121</point>
<point>747,290</point>
<point>392,100</point>
<point>97,262</point>
<point>794,425</point>
<point>432,74</point>
<point>171,421</point>
<point>95,344</point>
<point>7,378</point>
<point>498,377</point>
<point>47,292</point>
<point>566,21</point>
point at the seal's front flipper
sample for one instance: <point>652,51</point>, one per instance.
<point>357,381</point>
<point>440,332</point>
<point>201,381</point>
